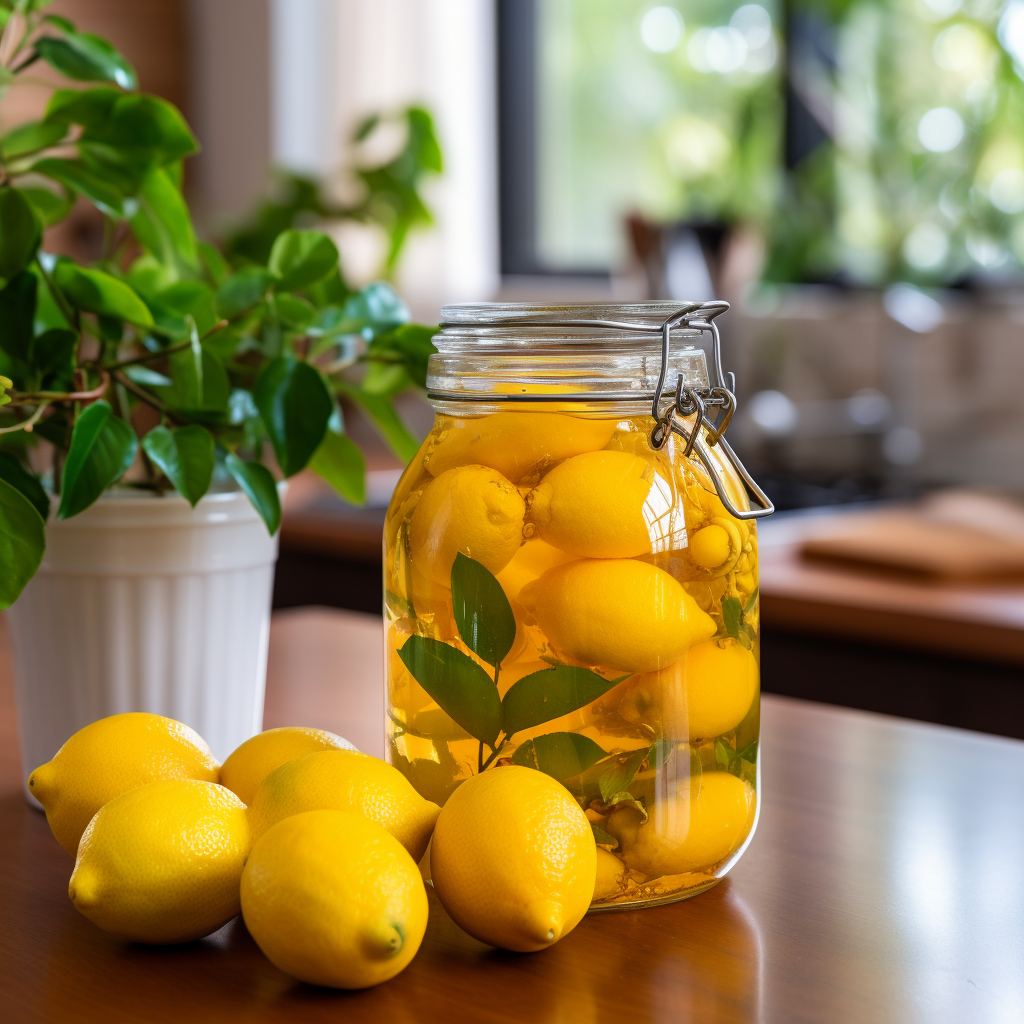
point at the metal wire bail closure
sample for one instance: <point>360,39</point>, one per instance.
<point>686,401</point>
<point>690,401</point>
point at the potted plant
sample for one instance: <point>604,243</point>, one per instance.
<point>148,399</point>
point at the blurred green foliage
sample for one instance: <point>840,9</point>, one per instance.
<point>217,366</point>
<point>389,194</point>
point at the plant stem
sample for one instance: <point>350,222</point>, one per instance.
<point>143,395</point>
<point>180,347</point>
<point>32,397</point>
<point>494,753</point>
<point>28,424</point>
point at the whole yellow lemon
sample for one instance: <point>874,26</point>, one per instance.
<point>710,547</point>
<point>248,765</point>
<point>471,509</point>
<point>706,821</point>
<point>162,862</point>
<point>110,757</point>
<point>595,506</point>
<point>345,780</point>
<point>517,443</point>
<point>706,693</point>
<point>513,859</point>
<point>333,899</point>
<point>616,612</point>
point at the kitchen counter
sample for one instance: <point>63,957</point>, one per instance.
<point>884,884</point>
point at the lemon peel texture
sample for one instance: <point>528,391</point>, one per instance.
<point>471,509</point>
<point>706,693</point>
<point>333,899</point>
<point>257,757</point>
<point>699,828</point>
<point>345,780</point>
<point>592,506</point>
<point>618,613</point>
<point>515,443</point>
<point>162,863</point>
<point>513,859</point>
<point>112,756</point>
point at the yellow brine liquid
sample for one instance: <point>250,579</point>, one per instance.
<point>562,596</point>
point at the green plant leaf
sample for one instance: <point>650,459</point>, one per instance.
<point>412,344</point>
<point>258,483</point>
<point>559,754</point>
<point>301,258</point>
<point>340,462</point>
<point>200,383</point>
<point>242,291</point>
<point>732,616</point>
<point>375,310</point>
<point>602,838</point>
<point>102,449</point>
<point>148,377</point>
<point>22,542</point>
<point>550,693</point>
<point>485,619</point>
<point>52,353</point>
<point>17,314</point>
<point>215,264</point>
<point>295,406</point>
<point>90,108</point>
<point>28,483</point>
<point>97,292</point>
<point>294,311</point>
<point>607,780</point>
<point>172,306</point>
<point>460,686</point>
<point>185,455</point>
<point>77,176</point>
<point>50,207</point>
<point>386,421</point>
<point>163,224</point>
<point>30,138</point>
<point>385,379</point>
<point>143,130</point>
<point>20,233</point>
<point>85,57</point>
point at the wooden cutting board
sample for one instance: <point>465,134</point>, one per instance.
<point>957,535</point>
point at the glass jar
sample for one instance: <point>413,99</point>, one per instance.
<point>571,583</point>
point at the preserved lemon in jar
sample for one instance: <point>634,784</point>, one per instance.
<point>571,583</point>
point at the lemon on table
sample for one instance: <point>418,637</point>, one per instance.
<point>162,863</point>
<point>345,780</point>
<point>110,757</point>
<point>248,765</point>
<point>594,505</point>
<point>513,859</point>
<point>471,509</point>
<point>333,899</point>
<point>616,612</point>
<point>706,693</point>
<point>515,443</point>
<point>706,821</point>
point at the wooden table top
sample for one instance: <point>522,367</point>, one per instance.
<point>884,885</point>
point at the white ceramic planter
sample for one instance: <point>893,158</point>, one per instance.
<point>145,604</point>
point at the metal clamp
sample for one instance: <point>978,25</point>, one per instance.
<point>686,401</point>
<point>690,401</point>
